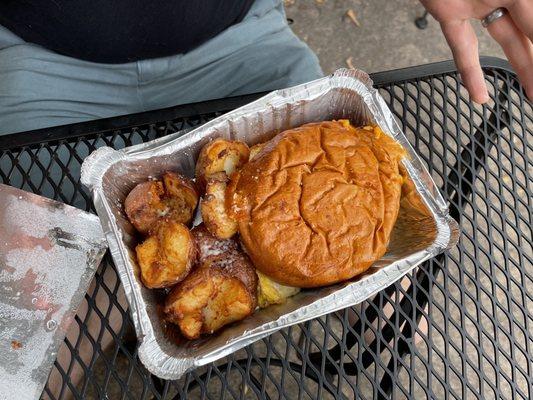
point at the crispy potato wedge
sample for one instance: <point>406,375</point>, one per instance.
<point>213,209</point>
<point>174,197</point>
<point>271,292</point>
<point>220,155</point>
<point>221,291</point>
<point>166,257</point>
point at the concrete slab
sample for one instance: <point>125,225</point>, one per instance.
<point>387,37</point>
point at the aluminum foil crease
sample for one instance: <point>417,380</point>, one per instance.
<point>49,253</point>
<point>424,227</point>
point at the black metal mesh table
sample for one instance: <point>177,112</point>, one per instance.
<point>459,326</point>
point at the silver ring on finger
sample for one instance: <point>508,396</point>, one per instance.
<point>493,16</point>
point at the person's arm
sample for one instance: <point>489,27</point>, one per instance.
<point>513,31</point>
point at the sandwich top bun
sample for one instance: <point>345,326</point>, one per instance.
<point>317,204</point>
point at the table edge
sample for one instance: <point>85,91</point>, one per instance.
<point>34,137</point>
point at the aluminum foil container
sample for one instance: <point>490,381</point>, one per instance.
<point>424,227</point>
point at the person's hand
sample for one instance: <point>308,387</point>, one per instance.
<point>513,31</point>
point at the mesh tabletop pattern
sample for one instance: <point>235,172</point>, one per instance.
<point>459,326</point>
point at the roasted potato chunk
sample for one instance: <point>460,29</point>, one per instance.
<point>213,209</point>
<point>237,265</point>
<point>166,257</point>
<point>255,149</point>
<point>143,205</point>
<point>225,253</point>
<point>220,291</point>
<point>174,197</point>
<point>220,155</point>
<point>210,246</point>
<point>182,196</point>
<point>271,292</point>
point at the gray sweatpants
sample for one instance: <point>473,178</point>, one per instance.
<point>40,88</point>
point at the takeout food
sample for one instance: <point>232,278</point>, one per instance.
<point>218,156</point>
<point>213,208</point>
<point>166,257</point>
<point>318,205</point>
<point>174,197</point>
<point>255,149</point>
<point>271,292</point>
<point>313,206</point>
<point>209,245</point>
<point>223,289</point>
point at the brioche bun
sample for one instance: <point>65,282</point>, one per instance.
<point>318,204</point>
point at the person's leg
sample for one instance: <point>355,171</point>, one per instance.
<point>260,53</point>
<point>39,88</point>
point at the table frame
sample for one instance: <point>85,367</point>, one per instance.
<point>397,332</point>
